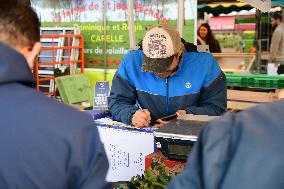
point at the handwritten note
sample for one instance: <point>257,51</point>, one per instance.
<point>126,151</point>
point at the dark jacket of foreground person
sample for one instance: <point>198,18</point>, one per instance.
<point>243,150</point>
<point>44,144</point>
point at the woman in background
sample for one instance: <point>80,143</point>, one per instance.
<point>206,37</point>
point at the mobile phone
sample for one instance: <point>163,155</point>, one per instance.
<point>169,117</point>
<point>203,48</point>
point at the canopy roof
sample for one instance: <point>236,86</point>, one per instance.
<point>217,7</point>
<point>273,2</point>
<point>223,7</point>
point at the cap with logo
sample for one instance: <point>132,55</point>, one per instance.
<point>160,44</point>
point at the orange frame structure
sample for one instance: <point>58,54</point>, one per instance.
<point>69,61</point>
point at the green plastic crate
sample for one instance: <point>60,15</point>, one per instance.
<point>255,81</point>
<point>236,80</point>
<point>281,83</point>
<point>265,83</point>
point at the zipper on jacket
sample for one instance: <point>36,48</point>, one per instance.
<point>167,95</point>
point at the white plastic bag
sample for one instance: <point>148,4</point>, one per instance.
<point>272,69</point>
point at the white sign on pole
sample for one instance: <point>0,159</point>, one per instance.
<point>263,5</point>
<point>126,151</point>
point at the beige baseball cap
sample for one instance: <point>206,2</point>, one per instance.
<point>160,44</point>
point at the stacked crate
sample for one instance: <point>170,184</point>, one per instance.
<point>261,81</point>
<point>253,89</point>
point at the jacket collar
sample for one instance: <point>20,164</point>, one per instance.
<point>13,67</point>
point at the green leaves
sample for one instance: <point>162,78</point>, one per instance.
<point>155,178</point>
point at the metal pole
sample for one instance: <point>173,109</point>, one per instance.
<point>258,40</point>
<point>180,23</point>
<point>105,33</point>
<point>195,22</point>
<point>131,24</point>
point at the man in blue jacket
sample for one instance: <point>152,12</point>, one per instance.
<point>44,144</point>
<point>240,150</point>
<point>164,79</point>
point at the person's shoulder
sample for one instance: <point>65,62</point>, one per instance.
<point>259,116</point>
<point>252,126</point>
<point>131,58</point>
<point>216,42</point>
<point>37,110</point>
<point>201,58</point>
<point>134,54</point>
<point>54,112</point>
<point>202,55</point>
<point>281,26</point>
<point>266,112</point>
<point>131,61</point>
<point>279,29</point>
<point>70,115</point>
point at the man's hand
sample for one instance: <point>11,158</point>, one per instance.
<point>180,112</point>
<point>141,118</point>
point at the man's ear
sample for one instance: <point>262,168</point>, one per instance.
<point>181,51</point>
<point>32,53</point>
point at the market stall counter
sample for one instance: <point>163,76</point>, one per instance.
<point>128,156</point>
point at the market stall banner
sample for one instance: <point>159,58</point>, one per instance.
<point>105,27</point>
<point>222,23</point>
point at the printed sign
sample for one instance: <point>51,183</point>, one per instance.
<point>102,90</point>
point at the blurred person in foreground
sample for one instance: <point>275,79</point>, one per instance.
<point>45,144</point>
<point>164,79</point>
<point>240,150</point>
<point>277,41</point>
<point>205,37</point>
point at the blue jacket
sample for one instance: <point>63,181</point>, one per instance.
<point>44,143</point>
<point>198,86</point>
<point>243,150</point>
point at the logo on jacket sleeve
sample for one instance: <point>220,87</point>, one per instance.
<point>187,85</point>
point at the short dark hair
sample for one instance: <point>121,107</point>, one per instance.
<point>19,25</point>
<point>277,16</point>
